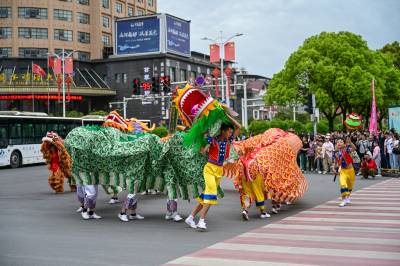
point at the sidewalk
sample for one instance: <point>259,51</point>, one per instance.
<point>366,232</point>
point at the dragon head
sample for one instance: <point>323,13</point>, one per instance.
<point>115,120</point>
<point>51,136</point>
<point>192,103</point>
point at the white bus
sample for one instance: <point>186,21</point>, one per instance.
<point>21,134</point>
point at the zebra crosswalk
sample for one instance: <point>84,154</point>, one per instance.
<point>366,232</point>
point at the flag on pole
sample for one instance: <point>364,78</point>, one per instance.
<point>38,70</point>
<point>68,65</point>
<point>50,61</point>
<point>214,53</point>
<point>373,123</point>
<point>57,66</point>
<point>229,51</point>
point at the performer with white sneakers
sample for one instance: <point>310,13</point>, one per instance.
<point>172,211</point>
<point>128,211</point>
<point>87,196</point>
<point>344,164</point>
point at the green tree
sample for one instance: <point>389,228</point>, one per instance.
<point>160,131</point>
<point>100,112</point>
<point>393,50</point>
<point>338,68</point>
<point>74,113</point>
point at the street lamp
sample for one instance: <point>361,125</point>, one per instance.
<point>63,56</point>
<point>222,44</point>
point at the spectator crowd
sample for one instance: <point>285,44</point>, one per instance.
<point>371,155</point>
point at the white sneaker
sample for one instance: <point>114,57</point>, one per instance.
<point>264,215</point>
<point>113,201</point>
<point>95,216</point>
<point>245,215</point>
<point>319,172</point>
<point>189,221</point>
<point>347,200</point>
<point>85,215</point>
<point>378,175</point>
<point>154,192</point>
<point>202,225</point>
<point>275,211</point>
<point>123,217</point>
<point>343,203</point>
<point>174,216</point>
<point>135,217</point>
<point>80,209</point>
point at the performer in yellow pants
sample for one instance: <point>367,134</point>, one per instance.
<point>212,177</point>
<point>253,191</point>
<point>347,176</point>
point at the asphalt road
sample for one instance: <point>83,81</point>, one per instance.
<point>38,227</point>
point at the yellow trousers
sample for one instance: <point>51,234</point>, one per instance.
<point>212,177</point>
<point>346,181</point>
<point>254,191</point>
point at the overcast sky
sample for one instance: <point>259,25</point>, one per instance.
<point>273,29</point>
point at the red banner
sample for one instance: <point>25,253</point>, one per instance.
<point>214,53</point>
<point>50,61</point>
<point>229,50</point>
<point>57,66</point>
<point>68,65</point>
<point>36,69</point>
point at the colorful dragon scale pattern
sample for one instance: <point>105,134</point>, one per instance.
<point>273,155</point>
<point>108,156</point>
<point>182,169</point>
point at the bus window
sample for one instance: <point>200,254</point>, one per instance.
<point>28,134</point>
<point>15,134</point>
<point>40,131</point>
<point>62,129</point>
<point>52,127</point>
<point>3,136</point>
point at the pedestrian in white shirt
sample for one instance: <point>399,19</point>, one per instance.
<point>327,154</point>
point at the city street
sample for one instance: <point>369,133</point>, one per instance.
<point>38,227</point>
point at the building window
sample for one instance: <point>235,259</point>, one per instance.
<point>83,37</point>
<point>183,75</point>
<point>118,7</point>
<point>106,22</point>
<point>172,74</point>
<point>5,52</point>
<point>63,35</point>
<point>33,52</point>
<point>62,15</point>
<point>150,3</point>
<point>140,1</point>
<point>83,2</point>
<point>5,12</point>
<point>106,4</point>
<point>124,77</point>
<point>34,33</point>
<point>140,12</point>
<point>59,51</point>
<point>130,11</point>
<point>83,18</point>
<point>32,12</point>
<point>117,77</point>
<point>5,33</point>
<point>84,56</point>
<point>106,40</point>
<point>65,0</point>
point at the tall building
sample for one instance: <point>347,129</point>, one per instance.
<point>33,28</point>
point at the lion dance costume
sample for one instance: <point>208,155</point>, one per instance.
<point>58,161</point>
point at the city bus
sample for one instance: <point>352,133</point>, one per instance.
<point>21,134</point>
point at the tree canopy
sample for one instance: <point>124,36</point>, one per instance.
<point>338,68</point>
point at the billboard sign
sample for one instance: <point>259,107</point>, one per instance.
<point>178,36</point>
<point>137,36</point>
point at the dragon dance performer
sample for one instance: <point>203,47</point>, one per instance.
<point>218,152</point>
<point>253,191</point>
<point>87,196</point>
<point>58,161</point>
<point>344,166</point>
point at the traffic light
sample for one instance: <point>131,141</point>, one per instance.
<point>136,86</point>
<point>166,84</point>
<point>155,85</point>
<point>309,104</point>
